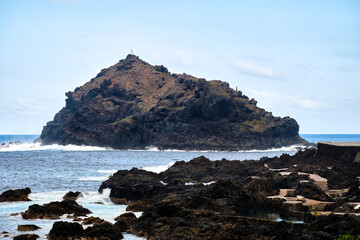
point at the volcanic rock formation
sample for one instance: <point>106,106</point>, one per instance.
<point>134,105</point>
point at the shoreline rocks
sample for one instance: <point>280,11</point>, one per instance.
<point>203,199</point>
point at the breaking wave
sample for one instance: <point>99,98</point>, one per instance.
<point>54,147</point>
<point>291,148</point>
<point>94,179</point>
<point>159,169</point>
<point>13,147</point>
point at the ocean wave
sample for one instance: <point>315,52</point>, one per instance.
<point>53,147</point>
<point>48,196</point>
<point>56,147</point>
<point>291,148</point>
<point>95,197</point>
<point>95,179</point>
<point>160,168</point>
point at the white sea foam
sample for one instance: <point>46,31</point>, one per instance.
<point>159,169</point>
<point>291,148</point>
<point>54,147</point>
<point>97,179</point>
<point>208,183</point>
<point>152,149</point>
<point>47,196</point>
<point>189,183</point>
<point>192,183</point>
<point>95,197</point>
<point>99,204</point>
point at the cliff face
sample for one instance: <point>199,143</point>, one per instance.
<point>134,104</point>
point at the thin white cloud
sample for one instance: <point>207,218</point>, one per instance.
<point>181,58</point>
<point>24,107</point>
<point>172,59</point>
<point>273,100</point>
<point>256,70</point>
<point>61,1</point>
<point>308,104</point>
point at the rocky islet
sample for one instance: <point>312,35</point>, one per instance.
<point>132,105</point>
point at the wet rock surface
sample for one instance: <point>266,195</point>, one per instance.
<point>72,196</point>
<point>26,237</point>
<point>15,195</point>
<point>92,220</point>
<point>28,227</point>
<point>134,105</point>
<point>104,230</point>
<point>203,199</point>
<point>65,230</point>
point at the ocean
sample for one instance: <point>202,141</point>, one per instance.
<point>51,171</point>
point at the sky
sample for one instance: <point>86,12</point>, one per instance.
<point>296,58</point>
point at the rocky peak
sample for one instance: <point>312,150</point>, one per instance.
<point>133,104</point>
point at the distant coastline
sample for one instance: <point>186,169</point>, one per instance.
<point>331,137</point>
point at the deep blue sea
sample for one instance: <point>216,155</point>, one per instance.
<point>51,171</point>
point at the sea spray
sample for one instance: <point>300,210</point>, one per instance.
<point>54,147</point>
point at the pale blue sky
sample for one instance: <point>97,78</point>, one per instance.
<point>296,58</point>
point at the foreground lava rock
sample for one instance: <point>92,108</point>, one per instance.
<point>203,199</point>
<point>67,230</point>
<point>134,104</point>
<point>15,195</point>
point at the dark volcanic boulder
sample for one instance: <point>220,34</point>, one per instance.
<point>104,230</point>
<point>64,230</point>
<point>92,220</point>
<point>72,196</point>
<point>26,237</point>
<point>15,195</point>
<point>124,221</point>
<point>310,190</point>
<point>67,230</point>
<point>258,186</point>
<point>134,104</point>
<point>197,169</point>
<point>128,186</point>
<point>54,210</point>
<point>28,227</point>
